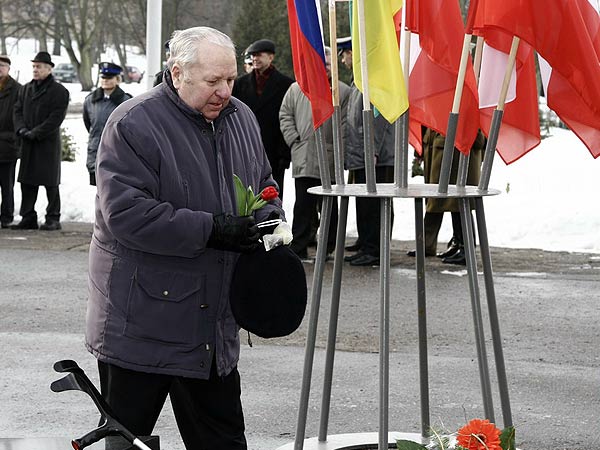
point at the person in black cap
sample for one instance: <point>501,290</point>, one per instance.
<point>97,106</point>
<point>39,111</point>
<point>9,150</point>
<point>263,90</point>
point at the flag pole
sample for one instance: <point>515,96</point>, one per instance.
<point>453,118</point>
<point>338,155</point>
<point>401,125</point>
<point>369,140</point>
<point>490,148</point>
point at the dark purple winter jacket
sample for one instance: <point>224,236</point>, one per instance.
<point>158,297</point>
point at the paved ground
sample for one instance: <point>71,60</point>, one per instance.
<point>549,312</point>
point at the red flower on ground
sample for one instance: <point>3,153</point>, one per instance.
<point>479,434</point>
<point>269,193</point>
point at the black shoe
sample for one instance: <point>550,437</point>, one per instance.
<point>413,253</point>
<point>302,254</point>
<point>25,225</point>
<point>365,260</point>
<point>5,224</point>
<point>51,225</point>
<point>458,258</point>
<point>353,248</point>
<point>450,251</point>
<point>351,258</point>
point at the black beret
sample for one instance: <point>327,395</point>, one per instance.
<point>5,59</point>
<point>344,43</point>
<point>268,292</point>
<point>262,45</point>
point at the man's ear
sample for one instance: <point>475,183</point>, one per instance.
<point>177,76</point>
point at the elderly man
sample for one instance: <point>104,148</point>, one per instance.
<point>97,106</point>
<point>166,241</point>
<point>262,90</point>
<point>296,122</point>
<point>9,150</point>
<point>39,111</point>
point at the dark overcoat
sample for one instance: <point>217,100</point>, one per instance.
<point>266,109</point>
<point>41,108</point>
<point>9,149</point>
<point>433,152</point>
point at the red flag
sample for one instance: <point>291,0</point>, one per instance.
<point>433,78</point>
<point>566,33</point>
<point>520,130</point>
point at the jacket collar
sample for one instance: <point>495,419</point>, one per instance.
<point>115,95</point>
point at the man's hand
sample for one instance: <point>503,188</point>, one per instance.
<point>233,233</point>
<point>28,135</point>
<point>21,132</point>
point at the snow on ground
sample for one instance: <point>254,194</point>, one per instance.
<point>547,198</point>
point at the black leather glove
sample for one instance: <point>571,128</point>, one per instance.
<point>22,131</point>
<point>233,233</point>
<point>28,135</point>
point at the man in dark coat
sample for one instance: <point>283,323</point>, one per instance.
<point>166,242</point>
<point>97,106</point>
<point>263,90</point>
<point>39,111</point>
<point>9,150</point>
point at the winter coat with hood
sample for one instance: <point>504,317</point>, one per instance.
<point>158,297</point>
<point>96,109</point>
<point>296,123</point>
<point>9,148</point>
<point>383,133</point>
<point>41,108</point>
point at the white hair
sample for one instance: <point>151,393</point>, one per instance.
<point>184,44</point>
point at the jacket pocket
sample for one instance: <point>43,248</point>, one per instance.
<point>166,307</point>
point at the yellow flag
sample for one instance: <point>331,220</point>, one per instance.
<point>387,89</point>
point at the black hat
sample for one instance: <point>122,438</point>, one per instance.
<point>109,70</point>
<point>262,45</point>
<point>268,292</point>
<point>5,59</point>
<point>344,43</point>
<point>43,57</point>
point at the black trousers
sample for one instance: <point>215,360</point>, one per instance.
<point>278,176</point>
<point>368,210</point>
<point>307,208</point>
<point>208,412</point>
<point>29,193</point>
<point>7,185</point>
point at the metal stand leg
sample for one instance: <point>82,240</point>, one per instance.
<point>338,264</point>
<point>422,317</point>
<point>486,260</point>
<point>384,321</point>
<point>313,321</point>
<point>484,373</point>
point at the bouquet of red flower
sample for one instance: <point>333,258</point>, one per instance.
<point>247,201</point>
<point>478,434</point>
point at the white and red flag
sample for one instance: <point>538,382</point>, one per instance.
<point>566,34</point>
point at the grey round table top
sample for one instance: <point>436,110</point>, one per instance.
<point>389,190</point>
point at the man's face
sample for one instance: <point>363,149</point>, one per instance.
<point>347,58</point>
<point>41,70</point>
<point>328,65</point>
<point>4,69</point>
<point>262,60</point>
<point>109,84</point>
<point>207,85</point>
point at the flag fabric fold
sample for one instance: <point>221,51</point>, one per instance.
<point>308,56</point>
<point>566,33</point>
<point>434,74</point>
<point>387,88</point>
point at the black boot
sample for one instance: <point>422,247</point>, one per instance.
<point>26,224</point>
<point>458,257</point>
<point>453,246</point>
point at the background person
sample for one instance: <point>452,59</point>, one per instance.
<point>166,242</point>
<point>97,106</point>
<point>263,90</point>
<point>296,123</point>
<point>39,111</point>
<point>9,149</point>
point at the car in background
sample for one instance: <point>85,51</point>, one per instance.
<point>134,74</point>
<point>65,73</point>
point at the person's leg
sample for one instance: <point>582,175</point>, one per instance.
<point>278,176</point>
<point>304,209</point>
<point>53,208</point>
<point>29,195</point>
<point>432,224</point>
<point>7,183</point>
<point>135,397</point>
<point>209,412</point>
